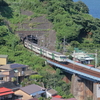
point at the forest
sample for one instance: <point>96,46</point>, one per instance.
<point>71,20</point>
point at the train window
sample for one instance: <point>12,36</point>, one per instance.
<point>63,57</point>
<point>33,47</point>
<point>29,45</point>
<point>38,49</point>
<point>56,56</point>
<point>50,54</point>
<point>44,52</point>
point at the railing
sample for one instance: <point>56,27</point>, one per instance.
<point>2,81</point>
<point>29,72</point>
<point>25,73</point>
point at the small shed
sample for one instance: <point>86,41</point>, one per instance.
<point>50,93</point>
<point>3,59</point>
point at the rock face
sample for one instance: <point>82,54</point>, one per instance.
<point>39,27</point>
<point>82,89</point>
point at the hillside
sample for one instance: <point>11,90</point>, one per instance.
<point>53,22</point>
<point>42,29</point>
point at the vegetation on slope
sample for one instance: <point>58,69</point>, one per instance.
<point>10,45</point>
<point>71,20</point>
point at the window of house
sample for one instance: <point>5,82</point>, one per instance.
<point>10,96</point>
<point>23,69</point>
<point>1,78</point>
<point>15,70</point>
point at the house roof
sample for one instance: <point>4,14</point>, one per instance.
<point>52,91</point>
<point>57,96</point>
<point>33,99</point>
<point>5,91</point>
<point>91,65</point>
<point>53,98</point>
<point>12,66</point>
<point>3,56</point>
<point>1,75</point>
<point>29,99</point>
<point>9,85</point>
<point>30,89</point>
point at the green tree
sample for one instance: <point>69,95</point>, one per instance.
<point>81,7</point>
<point>96,36</point>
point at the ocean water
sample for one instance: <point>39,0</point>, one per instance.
<point>94,7</point>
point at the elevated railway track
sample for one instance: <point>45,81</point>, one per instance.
<point>87,73</point>
<point>68,65</point>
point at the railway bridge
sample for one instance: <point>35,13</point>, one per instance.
<point>85,80</point>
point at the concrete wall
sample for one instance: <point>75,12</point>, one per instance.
<point>82,89</point>
<point>25,95</point>
<point>96,91</point>
<point>67,77</point>
<point>48,94</point>
<point>3,61</point>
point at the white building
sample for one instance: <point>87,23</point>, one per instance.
<point>50,93</point>
<point>82,57</point>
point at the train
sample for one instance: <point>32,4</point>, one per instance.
<point>56,56</point>
<point>44,51</point>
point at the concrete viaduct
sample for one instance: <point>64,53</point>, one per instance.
<point>85,80</point>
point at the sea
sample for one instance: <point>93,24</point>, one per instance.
<point>94,7</point>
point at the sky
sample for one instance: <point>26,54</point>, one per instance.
<point>94,7</point>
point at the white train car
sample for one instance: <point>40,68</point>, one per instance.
<point>59,57</point>
<point>33,47</point>
<point>45,52</point>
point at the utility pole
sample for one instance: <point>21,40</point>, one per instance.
<point>96,59</point>
<point>74,59</point>
<point>64,45</point>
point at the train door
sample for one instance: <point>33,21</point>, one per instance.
<point>41,51</point>
<point>53,56</point>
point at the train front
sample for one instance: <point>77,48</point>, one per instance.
<point>63,58</point>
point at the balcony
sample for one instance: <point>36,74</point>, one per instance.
<point>25,73</point>
<point>1,81</point>
<point>29,72</point>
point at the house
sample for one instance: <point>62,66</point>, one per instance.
<point>6,93</point>
<point>53,98</point>
<point>50,93</point>
<point>31,91</point>
<point>3,59</point>
<point>3,78</point>
<point>82,57</point>
<point>10,85</point>
<point>18,71</point>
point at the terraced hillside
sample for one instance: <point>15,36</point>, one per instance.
<point>39,27</point>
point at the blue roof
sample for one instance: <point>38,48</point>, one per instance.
<point>17,65</point>
<point>38,92</point>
